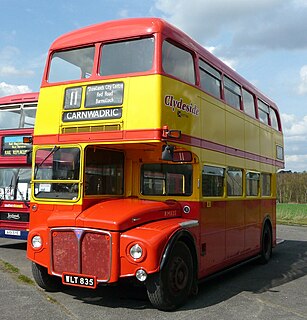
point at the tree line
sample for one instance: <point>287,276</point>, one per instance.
<point>292,187</point>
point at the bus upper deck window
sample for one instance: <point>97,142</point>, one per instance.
<point>273,118</point>
<point>263,111</point>
<point>249,103</point>
<point>127,56</point>
<point>10,118</point>
<point>71,64</point>
<point>232,93</point>
<point>178,62</point>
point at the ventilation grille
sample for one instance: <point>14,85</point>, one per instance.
<point>110,127</point>
<point>81,251</point>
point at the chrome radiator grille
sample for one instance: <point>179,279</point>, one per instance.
<point>81,251</point>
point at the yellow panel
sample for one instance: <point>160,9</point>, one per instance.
<point>49,111</point>
<point>234,128</point>
<point>143,103</point>
<point>252,165</point>
<point>251,135</point>
<point>214,158</point>
<point>181,107</point>
<point>213,120</point>
<point>266,139</point>
<point>236,162</point>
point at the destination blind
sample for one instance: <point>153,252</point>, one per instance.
<point>15,146</point>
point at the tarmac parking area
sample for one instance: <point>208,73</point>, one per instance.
<point>277,290</point>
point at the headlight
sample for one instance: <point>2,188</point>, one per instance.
<point>36,242</point>
<point>136,251</point>
<point>141,275</point>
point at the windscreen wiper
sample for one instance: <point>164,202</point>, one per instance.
<point>53,150</point>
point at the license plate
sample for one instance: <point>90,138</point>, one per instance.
<point>12,233</point>
<point>79,280</point>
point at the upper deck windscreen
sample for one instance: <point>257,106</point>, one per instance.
<point>71,64</point>
<point>120,57</point>
<point>15,117</point>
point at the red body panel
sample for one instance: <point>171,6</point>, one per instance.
<point>223,237</point>
<point>127,221</point>
<point>123,214</point>
<point>19,98</point>
<point>231,231</point>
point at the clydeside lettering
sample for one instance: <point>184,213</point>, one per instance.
<point>170,101</point>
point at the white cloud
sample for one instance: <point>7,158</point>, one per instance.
<point>208,17</point>
<point>229,62</point>
<point>303,76</point>
<point>294,127</point>
<point>8,53</point>
<point>12,71</point>
<point>9,60</point>
<point>9,89</point>
<point>246,26</point>
<point>296,163</point>
<point>300,3</point>
<point>295,136</point>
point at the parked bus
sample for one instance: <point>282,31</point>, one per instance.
<point>17,116</point>
<point>152,160</point>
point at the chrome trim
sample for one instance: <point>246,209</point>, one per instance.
<point>189,224</point>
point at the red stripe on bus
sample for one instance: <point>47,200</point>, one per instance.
<point>151,134</point>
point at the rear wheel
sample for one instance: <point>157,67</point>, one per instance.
<point>45,280</point>
<point>266,244</point>
<point>171,287</point>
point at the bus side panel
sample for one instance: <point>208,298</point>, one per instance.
<point>268,209</point>
<point>181,108</point>
<point>251,139</point>
<point>213,238</point>
<point>235,228</point>
<point>234,129</point>
<point>253,224</point>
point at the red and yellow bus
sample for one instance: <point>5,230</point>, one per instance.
<point>17,116</point>
<point>151,160</point>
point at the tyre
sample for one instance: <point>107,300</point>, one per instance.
<point>170,288</point>
<point>45,280</point>
<point>266,244</point>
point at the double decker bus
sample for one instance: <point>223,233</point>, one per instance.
<point>17,116</point>
<point>152,160</point>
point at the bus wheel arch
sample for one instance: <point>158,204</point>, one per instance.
<point>266,244</point>
<point>177,279</point>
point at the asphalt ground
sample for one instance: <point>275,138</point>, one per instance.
<point>277,290</point>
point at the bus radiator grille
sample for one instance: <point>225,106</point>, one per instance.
<point>81,251</point>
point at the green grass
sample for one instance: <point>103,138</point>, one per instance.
<point>15,271</point>
<point>9,267</point>
<point>292,213</point>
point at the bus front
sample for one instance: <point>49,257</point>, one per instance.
<point>105,202</point>
<point>17,116</point>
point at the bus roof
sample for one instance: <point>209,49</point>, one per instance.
<point>133,27</point>
<point>115,29</point>
<point>19,98</point>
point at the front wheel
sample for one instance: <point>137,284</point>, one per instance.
<point>266,244</point>
<point>45,280</point>
<point>170,288</point>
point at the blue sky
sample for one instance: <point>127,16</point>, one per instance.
<point>263,40</point>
